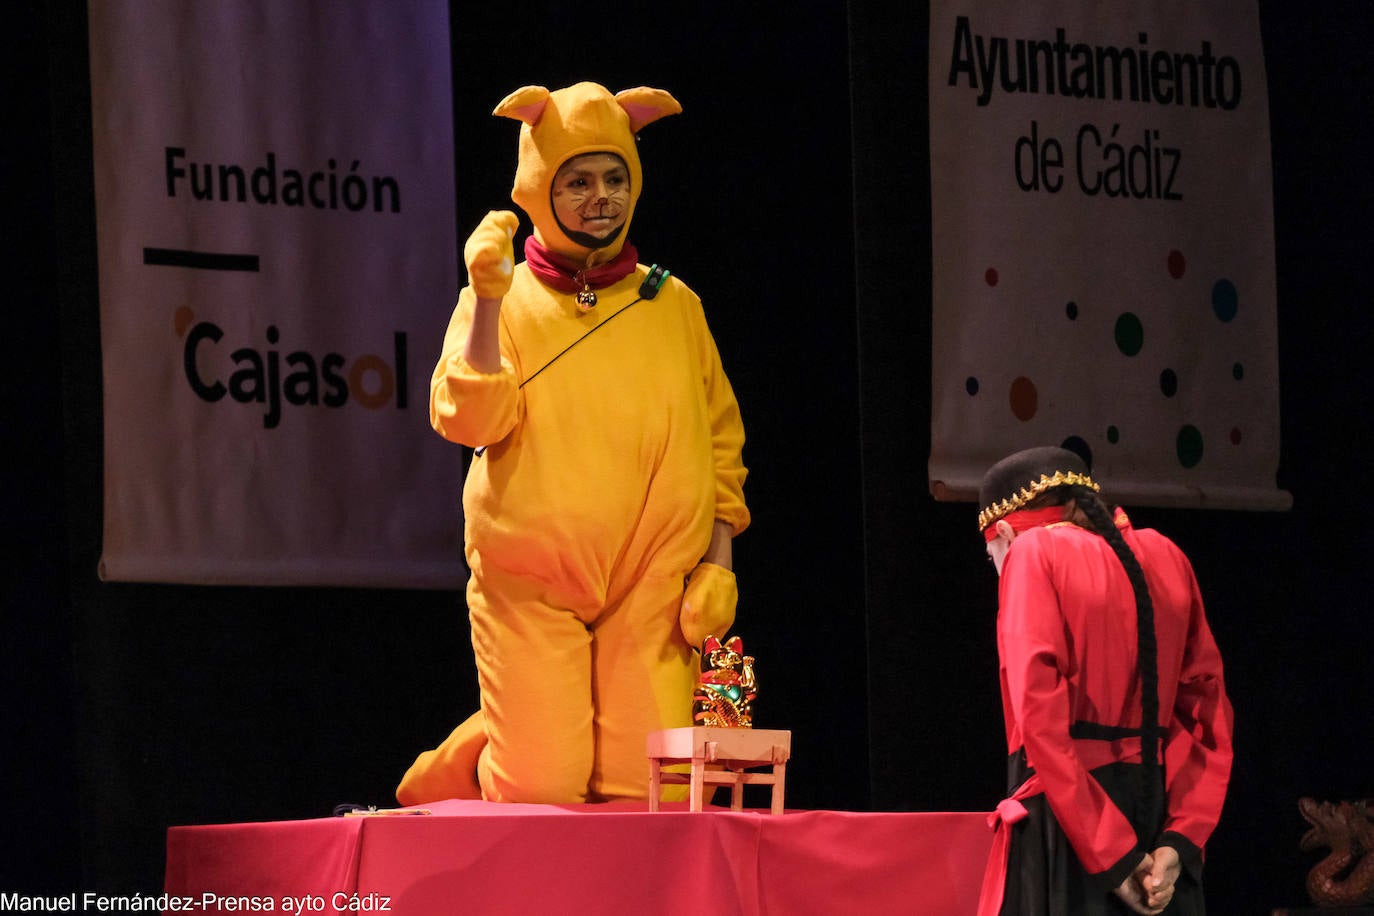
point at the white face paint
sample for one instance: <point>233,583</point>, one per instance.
<point>998,546</point>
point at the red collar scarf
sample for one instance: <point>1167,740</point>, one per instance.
<point>557,271</point>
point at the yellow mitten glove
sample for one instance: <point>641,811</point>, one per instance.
<point>490,255</point>
<point>708,605</point>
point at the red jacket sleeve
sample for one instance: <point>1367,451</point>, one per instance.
<point>1197,747</point>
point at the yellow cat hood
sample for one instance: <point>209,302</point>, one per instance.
<point>558,125</point>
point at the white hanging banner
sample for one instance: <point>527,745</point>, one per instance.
<point>1103,246</point>
<point>278,257</point>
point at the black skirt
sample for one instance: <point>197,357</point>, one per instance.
<point>1044,876</point>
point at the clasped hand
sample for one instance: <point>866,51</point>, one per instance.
<point>1150,888</point>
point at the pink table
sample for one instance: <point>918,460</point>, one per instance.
<point>484,858</point>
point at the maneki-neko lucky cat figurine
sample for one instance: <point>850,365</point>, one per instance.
<point>726,690</point>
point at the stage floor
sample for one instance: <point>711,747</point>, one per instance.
<point>486,858</point>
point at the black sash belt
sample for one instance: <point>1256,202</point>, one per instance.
<point>1019,770</point>
<point>1096,732</point>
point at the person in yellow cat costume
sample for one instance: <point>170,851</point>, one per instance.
<point>608,479</point>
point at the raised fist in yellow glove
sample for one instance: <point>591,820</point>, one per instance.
<point>489,254</point>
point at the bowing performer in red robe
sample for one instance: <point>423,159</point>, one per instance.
<point>1117,719</point>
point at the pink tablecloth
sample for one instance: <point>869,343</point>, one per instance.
<point>484,858</point>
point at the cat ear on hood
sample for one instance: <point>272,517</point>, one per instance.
<point>645,105</point>
<point>524,104</point>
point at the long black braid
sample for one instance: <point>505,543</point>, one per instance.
<point>1147,649</point>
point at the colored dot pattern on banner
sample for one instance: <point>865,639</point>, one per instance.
<point>1168,383</point>
<point>1177,264</point>
<point>1080,448</point>
<point>1023,396</point>
<point>1130,334</point>
<point>1224,300</point>
<point>1025,399</point>
<point>1189,446</point>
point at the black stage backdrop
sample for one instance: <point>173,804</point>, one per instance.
<point>793,188</point>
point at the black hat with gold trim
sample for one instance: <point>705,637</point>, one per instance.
<point>1012,483</point>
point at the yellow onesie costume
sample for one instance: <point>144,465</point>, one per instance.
<point>611,454</point>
